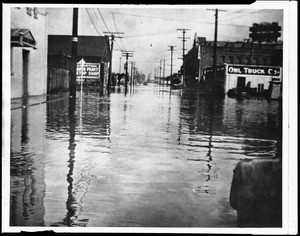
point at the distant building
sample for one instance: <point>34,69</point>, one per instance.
<point>246,52</point>
<point>28,51</point>
<point>92,49</point>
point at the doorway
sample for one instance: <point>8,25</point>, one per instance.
<point>25,60</point>
<point>241,82</point>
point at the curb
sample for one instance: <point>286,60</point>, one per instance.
<point>38,103</point>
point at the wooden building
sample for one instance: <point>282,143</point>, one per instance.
<point>92,49</point>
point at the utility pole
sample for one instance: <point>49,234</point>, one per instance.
<point>127,54</point>
<point>183,51</point>
<point>215,47</point>
<point>155,74</point>
<point>112,35</point>
<point>171,49</point>
<point>133,73</point>
<point>120,65</point>
<point>131,78</point>
<point>160,72</point>
<point>73,66</point>
<point>164,73</point>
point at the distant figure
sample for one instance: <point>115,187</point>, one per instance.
<point>256,193</point>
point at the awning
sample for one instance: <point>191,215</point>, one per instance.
<point>22,38</point>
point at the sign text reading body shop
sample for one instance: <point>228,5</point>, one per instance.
<point>88,70</point>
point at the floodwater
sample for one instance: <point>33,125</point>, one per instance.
<point>149,158</point>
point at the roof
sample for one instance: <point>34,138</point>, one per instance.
<point>237,44</point>
<point>22,38</point>
<point>95,46</point>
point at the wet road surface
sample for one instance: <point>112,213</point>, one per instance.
<point>150,158</point>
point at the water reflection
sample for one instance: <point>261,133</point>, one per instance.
<point>27,162</point>
<point>148,157</point>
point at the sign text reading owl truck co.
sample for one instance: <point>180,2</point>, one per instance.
<point>247,70</point>
<point>256,75</point>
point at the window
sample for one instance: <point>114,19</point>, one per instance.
<point>241,82</point>
<point>35,12</point>
<point>247,60</point>
<point>260,88</point>
<point>255,61</point>
<point>223,59</point>
<point>239,60</point>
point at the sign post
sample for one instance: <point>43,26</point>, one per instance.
<point>82,62</point>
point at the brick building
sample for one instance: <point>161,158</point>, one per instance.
<point>246,53</point>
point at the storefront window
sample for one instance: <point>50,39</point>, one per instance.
<point>239,60</point>
<point>247,60</point>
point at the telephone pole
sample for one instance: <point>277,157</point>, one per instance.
<point>131,77</point>
<point>215,47</point>
<point>183,50</point>
<point>126,54</point>
<point>134,68</point>
<point>112,35</point>
<point>120,65</point>
<point>73,65</point>
<point>171,49</point>
<point>160,72</point>
<point>164,73</point>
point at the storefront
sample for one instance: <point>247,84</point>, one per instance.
<point>257,79</point>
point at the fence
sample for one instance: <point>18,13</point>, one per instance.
<point>58,80</point>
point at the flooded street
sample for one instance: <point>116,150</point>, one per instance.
<point>149,158</point>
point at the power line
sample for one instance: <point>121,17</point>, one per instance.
<point>94,21</point>
<point>151,34</point>
<point>172,19</point>
<point>95,17</point>
<point>96,26</point>
<point>117,30</point>
<point>103,19</point>
<point>243,14</point>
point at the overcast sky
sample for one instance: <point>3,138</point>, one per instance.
<point>149,30</point>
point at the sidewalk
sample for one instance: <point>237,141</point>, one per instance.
<point>17,103</point>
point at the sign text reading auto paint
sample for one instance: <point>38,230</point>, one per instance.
<point>268,71</point>
<point>90,70</point>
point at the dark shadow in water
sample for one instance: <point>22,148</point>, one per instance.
<point>256,189</point>
<point>23,190</point>
<point>71,210</point>
<point>71,199</point>
<point>24,130</point>
<point>209,153</point>
<point>169,115</point>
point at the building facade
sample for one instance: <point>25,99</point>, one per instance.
<point>28,51</point>
<point>92,49</point>
<point>247,53</point>
<point>233,79</point>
